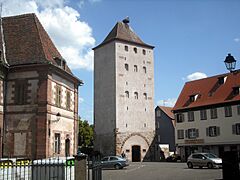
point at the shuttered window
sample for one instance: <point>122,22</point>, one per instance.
<point>192,133</point>
<point>180,134</point>
<point>20,92</point>
<point>58,96</point>
<point>203,114</point>
<point>68,99</point>
<point>213,131</point>
<point>228,111</point>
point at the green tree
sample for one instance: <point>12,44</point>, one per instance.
<point>85,136</point>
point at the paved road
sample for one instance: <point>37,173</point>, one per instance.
<point>161,171</point>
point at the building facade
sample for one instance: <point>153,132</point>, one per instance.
<point>39,93</point>
<point>123,95</point>
<point>207,115</point>
<point>165,132</point>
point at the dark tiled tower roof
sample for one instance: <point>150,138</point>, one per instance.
<point>123,32</point>
<point>26,41</point>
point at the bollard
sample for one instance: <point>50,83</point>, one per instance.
<point>80,167</point>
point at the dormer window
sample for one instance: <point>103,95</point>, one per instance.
<point>236,91</point>
<point>222,80</point>
<point>60,62</point>
<point>193,98</point>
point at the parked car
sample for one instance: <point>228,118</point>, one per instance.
<point>204,160</point>
<point>116,162</point>
<point>173,158</point>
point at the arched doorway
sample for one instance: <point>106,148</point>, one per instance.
<point>136,153</point>
<point>67,147</point>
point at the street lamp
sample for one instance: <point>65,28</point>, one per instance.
<point>58,116</point>
<point>230,62</point>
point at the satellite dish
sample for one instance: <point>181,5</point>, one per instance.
<point>126,20</point>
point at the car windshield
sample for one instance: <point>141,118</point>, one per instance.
<point>209,155</point>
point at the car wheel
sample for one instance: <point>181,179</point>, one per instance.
<point>117,166</point>
<point>200,167</point>
<point>210,165</point>
<point>190,165</point>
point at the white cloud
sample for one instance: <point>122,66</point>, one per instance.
<point>72,36</point>
<point>170,102</point>
<point>195,76</point>
<point>237,39</point>
<point>81,100</point>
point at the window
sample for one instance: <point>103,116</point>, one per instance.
<point>20,92</point>
<point>158,113</point>
<point>221,80</point>
<point>213,112</point>
<point>159,138</point>
<point>68,100</point>
<point>126,125</point>
<point>238,109</point>
<point>58,96</point>
<point>180,134</point>
<point>126,48</point>
<point>228,111</point>
<point>145,96</point>
<point>190,116</point>
<point>135,95</point>
<point>158,125</point>
<point>236,129</point>
<point>192,98</point>
<point>135,68</point>
<point>144,52</point>
<point>57,143</point>
<point>113,159</point>
<point>203,114</point>
<point>213,131</point>
<point>144,69</point>
<point>126,94</point>
<point>180,118</point>
<point>145,125</point>
<point>135,50</point>
<point>235,91</point>
<point>126,67</point>
<point>191,133</point>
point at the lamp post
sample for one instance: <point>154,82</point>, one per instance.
<point>230,62</point>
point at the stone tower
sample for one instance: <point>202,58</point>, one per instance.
<point>124,95</point>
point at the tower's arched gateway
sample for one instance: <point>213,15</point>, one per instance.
<point>124,117</point>
<point>135,146</point>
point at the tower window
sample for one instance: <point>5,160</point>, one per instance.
<point>126,48</point>
<point>145,96</point>
<point>144,52</point>
<point>135,50</point>
<point>127,94</point>
<point>126,67</point>
<point>135,68</point>
<point>135,95</point>
<point>144,69</point>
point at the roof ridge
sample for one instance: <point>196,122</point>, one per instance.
<point>38,32</point>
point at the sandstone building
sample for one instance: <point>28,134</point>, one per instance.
<point>124,117</point>
<point>39,93</point>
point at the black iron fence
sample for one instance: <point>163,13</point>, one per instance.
<point>60,168</point>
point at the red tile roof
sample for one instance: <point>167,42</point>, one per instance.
<point>167,111</point>
<point>26,41</point>
<point>122,31</point>
<point>208,91</point>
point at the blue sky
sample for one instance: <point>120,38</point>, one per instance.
<point>189,36</point>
